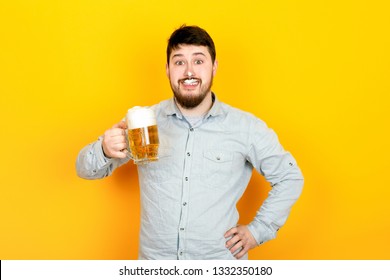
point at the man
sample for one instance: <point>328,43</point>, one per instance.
<point>207,152</point>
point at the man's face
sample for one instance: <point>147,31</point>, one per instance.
<point>190,72</point>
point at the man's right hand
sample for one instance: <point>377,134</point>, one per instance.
<point>114,141</point>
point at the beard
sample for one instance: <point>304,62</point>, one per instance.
<point>190,100</point>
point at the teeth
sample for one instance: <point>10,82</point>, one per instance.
<point>190,82</point>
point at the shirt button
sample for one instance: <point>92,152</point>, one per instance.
<point>188,154</point>
<point>191,129</point>
<point>186,178</point>
<point>185,203</point>
<point>181,228</point>
<point>181,253</point>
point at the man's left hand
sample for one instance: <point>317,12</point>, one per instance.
<point>241,239</point>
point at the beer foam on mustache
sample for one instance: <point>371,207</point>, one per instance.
<point>138,117</point>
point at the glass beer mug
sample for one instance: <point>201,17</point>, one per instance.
<point>143,134</point>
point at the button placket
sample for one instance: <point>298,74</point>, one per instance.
<point>185,195</point>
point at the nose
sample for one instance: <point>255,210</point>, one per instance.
<point>189,71</point>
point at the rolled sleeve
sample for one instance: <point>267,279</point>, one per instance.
<point>93,164</point>
<point>280,169</point>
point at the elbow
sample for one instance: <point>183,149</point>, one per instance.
<point>83,173</point>
<point>86,171</point>
<point>89,175</point>
<point>299,186</point>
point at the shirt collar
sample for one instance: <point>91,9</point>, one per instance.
<point>216,109</point>
<point>172,109</point>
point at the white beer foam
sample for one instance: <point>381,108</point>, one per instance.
<point>138,117</point>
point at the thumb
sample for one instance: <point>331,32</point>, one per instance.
<point>121,124</point>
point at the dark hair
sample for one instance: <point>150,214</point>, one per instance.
<point>190,35</point>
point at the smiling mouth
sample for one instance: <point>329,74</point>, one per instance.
<point>190,82</point>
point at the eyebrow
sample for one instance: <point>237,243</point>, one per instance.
<point>194,54</point>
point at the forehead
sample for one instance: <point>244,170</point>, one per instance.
<point>189,50</point>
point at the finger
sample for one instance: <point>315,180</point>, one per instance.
<point>118,146</point>
<point>232,241</point>
<point>119,154</point>
<point>117,139</point>
<point>114,143</point>
<point>231,232</point>
<point>121,125</point>
<point>247,237</point>
<point>237,246</point>
<point>116,132</point>
<point>240,254</point>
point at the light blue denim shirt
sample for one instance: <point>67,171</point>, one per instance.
<point>189,196</point>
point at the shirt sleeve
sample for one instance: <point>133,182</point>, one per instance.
<point>91,162</point>
<point>281,170</point>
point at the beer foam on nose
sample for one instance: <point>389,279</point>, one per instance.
<point>138,117</point>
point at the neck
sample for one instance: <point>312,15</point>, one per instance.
<point>199,110</point>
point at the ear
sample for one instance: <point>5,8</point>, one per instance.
<point>215,66</point>
<point>167,69</point>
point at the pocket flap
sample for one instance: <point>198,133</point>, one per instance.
<point>218,156</point>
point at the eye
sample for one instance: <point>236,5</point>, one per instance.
<point>198,61</point>
<point>179,62</point>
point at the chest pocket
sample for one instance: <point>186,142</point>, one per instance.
<point>217,168</point>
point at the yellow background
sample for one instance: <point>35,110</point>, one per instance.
<point>316,71</point>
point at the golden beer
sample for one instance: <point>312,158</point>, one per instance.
<point>143,143</point>
<point>143,134</point>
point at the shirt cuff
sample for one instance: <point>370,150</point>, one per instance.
<point>102,160</point>
<point>261,232</point>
